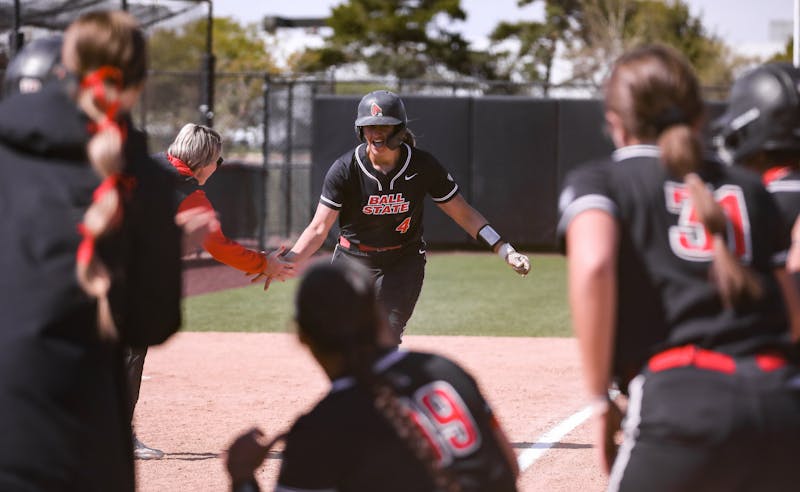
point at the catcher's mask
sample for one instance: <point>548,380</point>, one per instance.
<point>763,113</point>
<point>382,108</point>
<point>33,66</point>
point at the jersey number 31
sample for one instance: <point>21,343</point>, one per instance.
<point>690,240</point>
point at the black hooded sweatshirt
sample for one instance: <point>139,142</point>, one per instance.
<point>63,396</point>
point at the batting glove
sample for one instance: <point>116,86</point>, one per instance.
<point>519,262</point>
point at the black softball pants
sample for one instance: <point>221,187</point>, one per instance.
<point>693,429</point>
<point>398,281</point>
<point>134,367</point>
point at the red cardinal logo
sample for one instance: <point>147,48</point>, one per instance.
<point>375,110</point>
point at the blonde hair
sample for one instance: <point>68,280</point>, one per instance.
<point>106,50</point>
<point>197,146</point>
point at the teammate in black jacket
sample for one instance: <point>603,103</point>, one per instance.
<point>377,193</point>
<point>351,440</point>
<point>63,398</point>
<point>713,396</point>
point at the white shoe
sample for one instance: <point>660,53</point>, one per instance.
<point>142,452</point>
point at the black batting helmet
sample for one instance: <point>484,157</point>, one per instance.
<point>763,113</point>
<point>382,108</point>
<point>33,66</point>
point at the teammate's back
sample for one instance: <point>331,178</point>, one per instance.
<point>346,444</point>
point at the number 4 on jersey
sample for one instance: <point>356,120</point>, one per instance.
<point>403,227</point>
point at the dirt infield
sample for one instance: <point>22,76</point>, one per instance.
<point>201,389</point>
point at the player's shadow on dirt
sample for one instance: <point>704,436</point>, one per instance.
<point>548,445</point>
<point>187,456</point>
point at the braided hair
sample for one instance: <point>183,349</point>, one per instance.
<point>337,310</point>
<point>106,52</point>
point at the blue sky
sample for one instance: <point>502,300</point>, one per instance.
<point>736,21</point>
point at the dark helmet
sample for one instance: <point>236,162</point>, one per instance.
<point>32,66</point>
<point>763,113</point>
<point>382,108</point>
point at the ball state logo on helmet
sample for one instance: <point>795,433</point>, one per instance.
<point>382,107</point>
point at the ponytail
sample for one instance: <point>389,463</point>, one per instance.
<point>98,97</point>
<point>681,150</point>
<point>736,283</point>
<point>107,51</point>
<point>656,95</point>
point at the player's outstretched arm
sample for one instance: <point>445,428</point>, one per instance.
<point>277,268</point>
<point>478,227</point>
<point>314,234</point>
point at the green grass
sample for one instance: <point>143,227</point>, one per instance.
<point>463,294</point>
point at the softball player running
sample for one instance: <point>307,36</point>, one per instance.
<point>392,421</point>
<point>714,400</point>
<point>377,193</point>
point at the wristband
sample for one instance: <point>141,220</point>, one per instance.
<point>488,236</point>
<point>505,250</point>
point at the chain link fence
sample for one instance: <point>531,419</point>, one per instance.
<point>267,122</point>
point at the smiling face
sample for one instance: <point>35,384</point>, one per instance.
<point>379,153</point>
<point>376,136</point>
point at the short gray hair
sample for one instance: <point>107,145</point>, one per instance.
<point>197,146</point>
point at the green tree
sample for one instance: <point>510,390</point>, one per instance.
<point>173,91</point>
<point>610,27</point>
<point>404,38</point>
<point>591,34</point>
<point>537,42</point>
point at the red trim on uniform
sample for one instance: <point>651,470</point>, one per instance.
<point>363,247</point>
<point>691,355</point>
<point>775,173</point>
<point>770,361</point>
<point>178,164</point>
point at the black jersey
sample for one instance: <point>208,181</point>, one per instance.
<point>784,184</point>
<point>385,210</point>
<point>344,444</point>
<point>665,296</point>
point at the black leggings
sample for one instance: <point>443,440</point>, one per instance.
<point>134,366</point>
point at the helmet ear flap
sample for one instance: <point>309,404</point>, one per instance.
<point>396,138</point>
